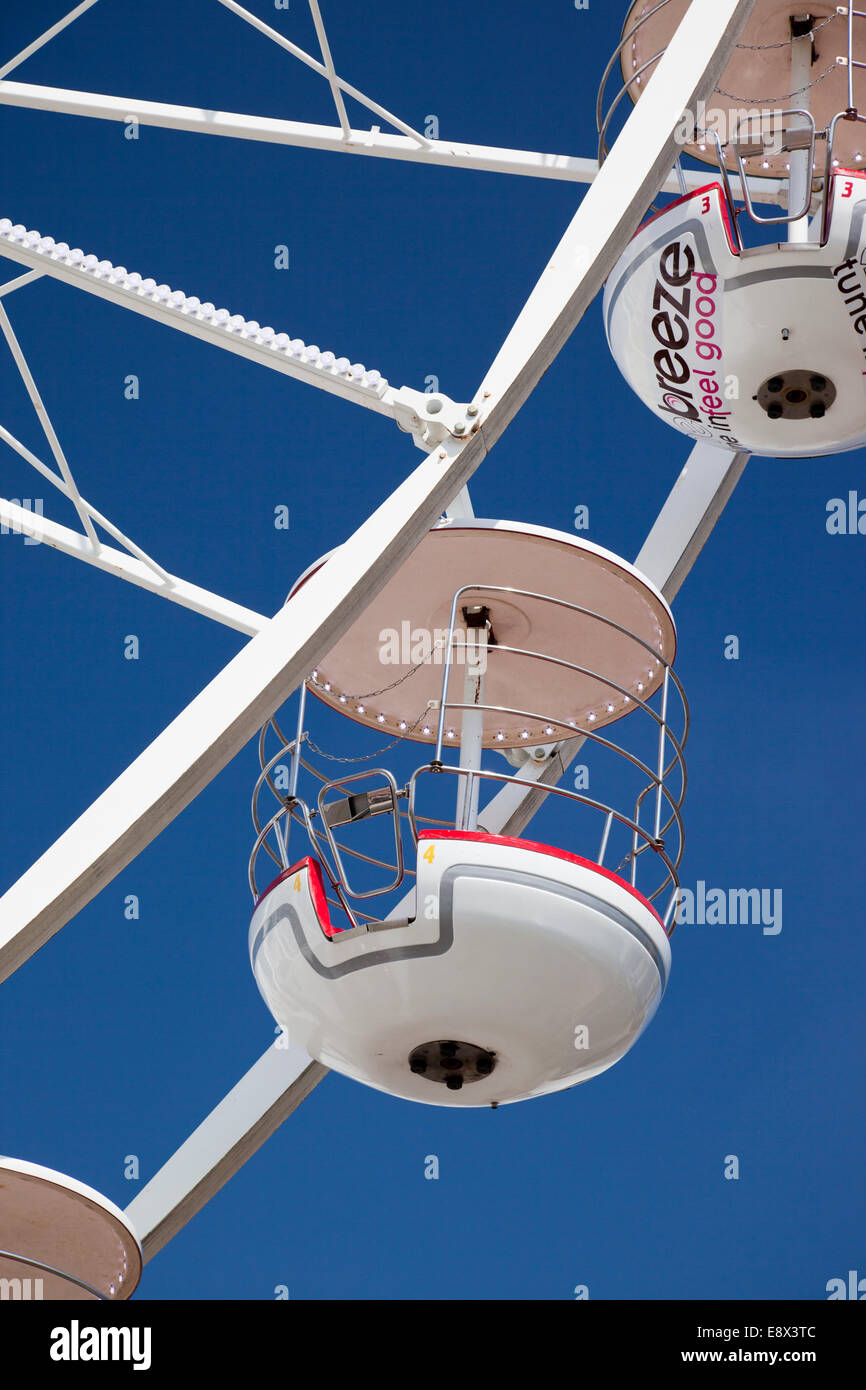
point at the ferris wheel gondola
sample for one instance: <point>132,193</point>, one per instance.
<point>754,348</point>
<point>514,968</point>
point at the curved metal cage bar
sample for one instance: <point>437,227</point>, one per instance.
<point>611,815</point>
<point>61,1273</point>
<point>660,776</point>
<point>604,115</point>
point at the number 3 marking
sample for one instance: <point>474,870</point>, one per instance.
<point>705,205</point>
<point>847,189</point>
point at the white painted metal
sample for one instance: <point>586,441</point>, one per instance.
<point>48,428</point>
<point>801,171</point>
<point>62,486</point>
<point>155,788</point>
<point>329,64</point>
<point>44,38</point>
<point>453,154</point>
<point>461,507</point>
<point>694,505</point>
<point>248,1115</point>
<point>471,729</point>
<point>19,282</point>
<point>22,521</point>
<point>323,69</point>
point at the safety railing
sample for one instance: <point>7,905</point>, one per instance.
<point>660,780</point>
<point>801,137</point>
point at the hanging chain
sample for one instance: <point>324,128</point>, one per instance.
<point>366,757</point>
<point>776,96</point>
<point>371,694</point>
<point>762,47</point>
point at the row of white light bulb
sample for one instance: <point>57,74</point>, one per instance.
<point>549,730</point>
<point>191,306</point>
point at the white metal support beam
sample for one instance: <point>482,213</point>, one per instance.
<point>452,154</point>
<point>717,27</point>
<point>322,68</point>
<point>48,429</point>
<point>58,481</point>
<point>427,417</point>
<point>9,286</point>
<point>20,521</point>
<point>696,501</point>
<point>44,38</point>
<point>265,1096</point>
<point>329,64</point>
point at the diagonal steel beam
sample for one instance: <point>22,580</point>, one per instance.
<point>20,521</point>
<point>44,38</point>
<point>263,1098</point>
<point>377,144</point>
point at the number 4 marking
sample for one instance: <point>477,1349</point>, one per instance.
<point>297,883</point>
<point>429,853</point>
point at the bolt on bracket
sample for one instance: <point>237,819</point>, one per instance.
<point>432,418</point>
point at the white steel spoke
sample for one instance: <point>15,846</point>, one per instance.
<point>253,1109</point>
<point>461,507</point>
<point>444,153</point>
<point>20,280</point>
<point>45,422</point>
<point>322,70</point>
<point>329,64</point>
<point>44,38</point>
<point>141,572</point>
<point>696,501</point>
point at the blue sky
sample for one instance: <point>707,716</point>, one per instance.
<point>118,1037</point>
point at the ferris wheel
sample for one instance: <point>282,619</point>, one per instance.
<point>405,929</point>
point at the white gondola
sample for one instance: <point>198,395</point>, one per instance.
<point>515,968</point>
<point>760,349</point>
